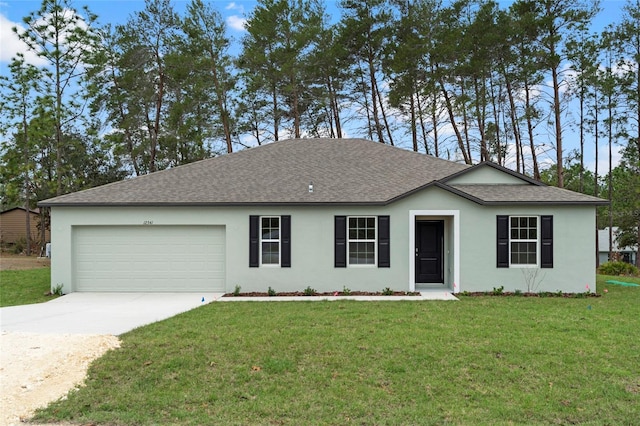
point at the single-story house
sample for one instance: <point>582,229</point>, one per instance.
<point>624,254</point>
<point>13,226</point>
<point>325,214</point>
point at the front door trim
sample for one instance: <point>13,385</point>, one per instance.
<point>436,214</point>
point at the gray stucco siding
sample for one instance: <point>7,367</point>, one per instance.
<point>573,248</point>
<point>312,244</point>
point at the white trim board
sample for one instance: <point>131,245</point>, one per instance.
<point>455,214</point>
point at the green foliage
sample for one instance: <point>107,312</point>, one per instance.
<point>171,91</point>
<point>57,290</point>
<point>498,290</point>
<point>271,292</point>
<point>19,245</point>
<point>346,291</point>
<point>618,268</point>
<point>309,291</point>
<point>387,291</point>
<point>236,290</point>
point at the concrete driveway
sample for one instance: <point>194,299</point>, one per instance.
<point>99,313</point>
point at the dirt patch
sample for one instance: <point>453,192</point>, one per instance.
<point>15,261</point>
<point>36,369</point>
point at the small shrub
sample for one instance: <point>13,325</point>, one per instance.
<point>387,292</point>
<point>618,268</point>
<point>309,291</point>
<point>236,291</point>
<point>19,246</point>
<point>57,290</point>
<point>271,292</point>
<point>517,292</point>
<point>497,291</point>
<point>346,291</point>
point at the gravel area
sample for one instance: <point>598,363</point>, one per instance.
<point>9,262</point>
<point>36,369</point>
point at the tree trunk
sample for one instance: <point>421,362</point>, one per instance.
<point>514,122</point>
<point>422,126</point>
<point>384,115</point>
<point>481,119</point>
<point>276,118</point>
<point>414,127</point>
<point>334,107</point>
<point>558,124</point>
<point>496,115</point>
<point>581,174</point>
<point>534,157</point>
<point>374,103</point>
<point>452,119</point>
<point>220,94</point>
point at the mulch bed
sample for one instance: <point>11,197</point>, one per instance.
<point>541,294</point>
<point>338,293</point>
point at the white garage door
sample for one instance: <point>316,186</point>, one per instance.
<point>149,258</point>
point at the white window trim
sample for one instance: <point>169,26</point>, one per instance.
<point>374,241</point>
<point>517,240</point>
<point>279,241</point>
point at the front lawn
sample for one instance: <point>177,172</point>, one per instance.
<point>23,287</point>
<point>482,360</point>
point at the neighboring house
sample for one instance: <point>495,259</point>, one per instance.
<point>13,226</point>
<point>625,254</point>
<point>326,214</point>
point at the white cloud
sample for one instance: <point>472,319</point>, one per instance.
<point>235,6</point>
<point>603,159</point>
<point>11,44</point>
<point>236,22</point>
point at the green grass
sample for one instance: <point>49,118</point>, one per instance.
<point>24,287</point>
<point>483,360</point>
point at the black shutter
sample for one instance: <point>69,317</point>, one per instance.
<point>254,241</point>
<point>285,241</point>
<point>384,253</point>
<point>546,240</point>
<point>340,242</point>
<point>502,255</point>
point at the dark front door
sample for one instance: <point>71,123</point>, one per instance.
<point>429,251</point>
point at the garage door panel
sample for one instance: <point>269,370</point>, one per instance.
<point>149,258</point>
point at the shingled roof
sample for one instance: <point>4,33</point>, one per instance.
<point>343,171</point>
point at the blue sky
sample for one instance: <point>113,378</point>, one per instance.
<point>234,12</point>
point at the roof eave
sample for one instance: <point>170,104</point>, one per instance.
<point>223,204</point>
<point>494,166</point>
<point>546,203</point>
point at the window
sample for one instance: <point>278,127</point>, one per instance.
<point>362,241</point>
<point>523,240</point>
<point>270,240</point>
